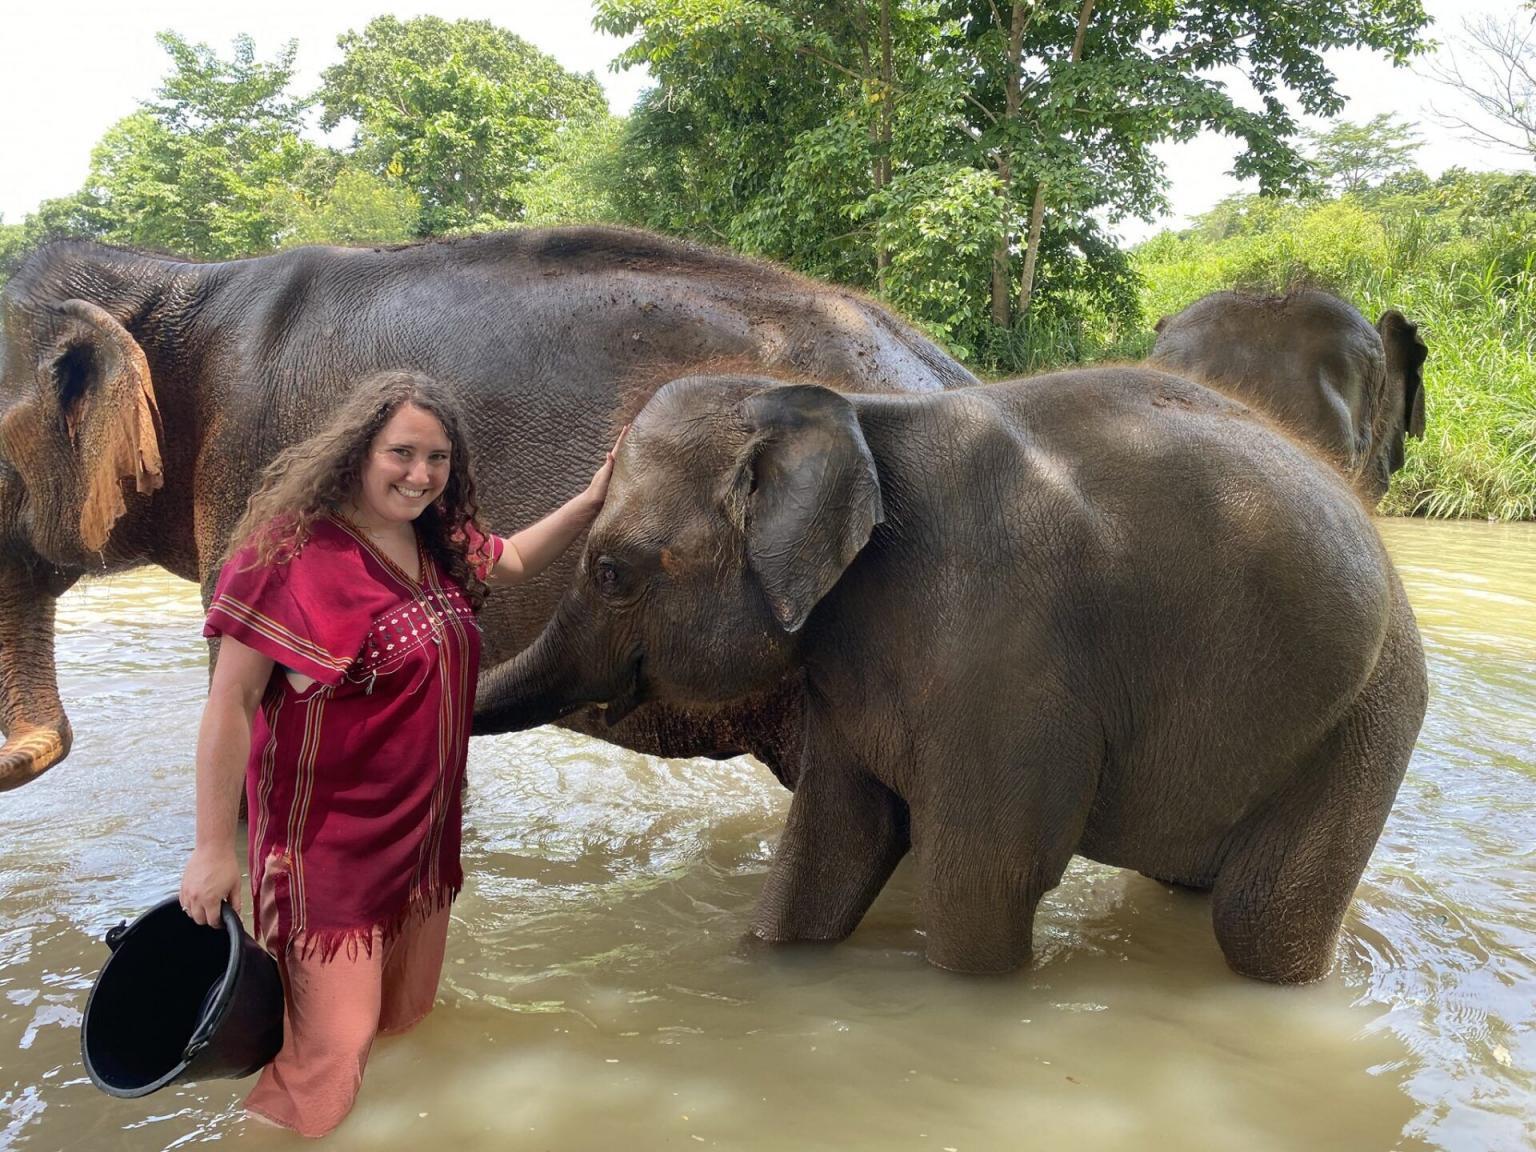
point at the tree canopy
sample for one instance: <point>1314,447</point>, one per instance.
<point>1350,157</point>
<point>464,113</point>
<point>196,168</point>
<point>456,124</point>
<point>947,152</point>
<point>963,159</point>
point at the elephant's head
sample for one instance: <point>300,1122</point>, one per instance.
<point>1313,362</point>
<point>79,433</point>
<point>735,506</point>
<point>1401,410</point>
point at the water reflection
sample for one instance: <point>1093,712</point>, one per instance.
<point>598,993</point>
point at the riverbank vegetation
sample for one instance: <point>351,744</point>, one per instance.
<point>963,161</point>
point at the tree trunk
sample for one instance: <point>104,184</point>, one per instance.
<point>887,114</point>
<point>1032,250</point>
<point>1037,213</point>
<point>1000,252</point>
<point>1012,88</point>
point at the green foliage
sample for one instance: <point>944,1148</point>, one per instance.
<point>456,125</point>
<point>1457,256</point>
<point>196,169</point>
<point>582,181</point>
<point>465,114</point>
<point>357,208</point>
<point>1352,158</point>
<point>777,126</point>
<point>939,223</point>
<point>59,218</point>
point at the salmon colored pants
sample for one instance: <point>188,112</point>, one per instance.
<point>332,1012</point>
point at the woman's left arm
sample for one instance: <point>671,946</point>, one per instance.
<point>527,553</point>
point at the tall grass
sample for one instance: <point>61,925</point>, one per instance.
<point>1468,282</point>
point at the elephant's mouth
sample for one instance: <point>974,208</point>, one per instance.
<point>630,697</point>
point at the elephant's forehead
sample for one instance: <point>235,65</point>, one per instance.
<point>676,451</point>
<point>658,501</point>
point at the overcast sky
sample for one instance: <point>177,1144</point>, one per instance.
<point>68,70</point>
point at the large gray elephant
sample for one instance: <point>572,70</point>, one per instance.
<point>141,396</point>
<point>1072,614</point>
<point>1314,363</point>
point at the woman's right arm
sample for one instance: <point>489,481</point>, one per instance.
<point>223,745</point>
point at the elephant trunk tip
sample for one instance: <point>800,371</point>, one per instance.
<point>31,750</point>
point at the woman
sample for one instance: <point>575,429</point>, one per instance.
<point>342,696</point>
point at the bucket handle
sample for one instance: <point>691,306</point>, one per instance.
<point>205,1028</point>
<point>114,936</point>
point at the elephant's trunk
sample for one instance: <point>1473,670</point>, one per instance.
<point>31,715</point>
<point>537,686</point>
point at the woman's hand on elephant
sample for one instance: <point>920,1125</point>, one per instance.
<point>597,491</point>
<point>212,876</point>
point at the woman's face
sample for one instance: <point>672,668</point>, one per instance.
<point>406,468</point>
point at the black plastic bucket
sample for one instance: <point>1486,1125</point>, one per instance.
<point>178,1000</point>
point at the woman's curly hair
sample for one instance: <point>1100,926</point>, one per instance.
<point>316,477</point>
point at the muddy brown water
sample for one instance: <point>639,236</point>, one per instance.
<point>597,995</point>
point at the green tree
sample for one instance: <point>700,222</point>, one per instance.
<point>465,114</point>
<point>580,183</point>
<point>822,133</point>
<point>1352,158</point>
<point>1068,98</point>
<point>76,216</point>
<point>356,207</point>
<point>199,168</point>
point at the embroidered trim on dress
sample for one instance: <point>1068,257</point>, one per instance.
<point>327,944</point>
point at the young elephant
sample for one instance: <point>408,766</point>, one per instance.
<point>1108,612</point>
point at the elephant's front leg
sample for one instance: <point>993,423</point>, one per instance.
<point>846,832</point>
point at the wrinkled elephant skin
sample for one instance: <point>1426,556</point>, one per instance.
<point>141,396</point>
<point>1108,612</point>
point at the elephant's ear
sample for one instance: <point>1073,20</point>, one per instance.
<point>1158,327</point>
<point>107,403</point>
<point>1406,354</point>
<point>812,495</point>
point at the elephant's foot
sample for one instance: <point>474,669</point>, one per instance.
<point>845,834</point>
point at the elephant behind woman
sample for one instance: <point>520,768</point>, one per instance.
<point>141,397</point>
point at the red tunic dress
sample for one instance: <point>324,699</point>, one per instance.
<point>353,784</point>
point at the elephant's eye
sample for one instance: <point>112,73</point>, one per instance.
<point>606,573</point>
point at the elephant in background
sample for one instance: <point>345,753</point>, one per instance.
<point>140,397</point>
<point>1316,365</point>
<point>1077,613</point>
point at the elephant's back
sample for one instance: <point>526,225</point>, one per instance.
<point>1304,357</point>
<point>1226,557</point>
<point>1164,465</point>
<point>566,312</point>
<point>1239,597</point>
<point>551,336</point>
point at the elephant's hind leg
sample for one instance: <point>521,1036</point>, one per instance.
<point>1291,868</point>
